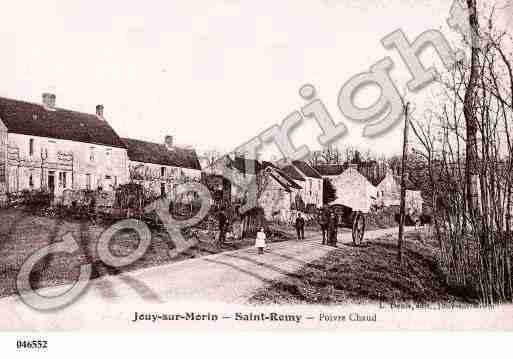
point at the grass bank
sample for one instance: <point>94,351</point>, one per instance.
<point>366,274</point>
<point>22,233</point>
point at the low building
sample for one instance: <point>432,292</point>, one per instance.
<point>46,147</point>
<point>160,167</point>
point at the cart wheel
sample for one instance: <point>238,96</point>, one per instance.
<point>358,228</point>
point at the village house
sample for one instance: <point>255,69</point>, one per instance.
<point>233,177</point>
<point>46,147</point>
<point>313,186</point>
<point>292,172</point>
<point>389,192</point>
<point>280,195</point>
<point>230,177</point>
<point>353,189</point>
<point>160,167</point>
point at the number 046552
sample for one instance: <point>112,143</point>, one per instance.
<point>32,344</point>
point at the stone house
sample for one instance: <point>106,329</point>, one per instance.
<point>279,194</point>
<point>43,146</point>
<point>160,167</point>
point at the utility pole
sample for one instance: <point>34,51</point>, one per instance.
<point>403,184</point>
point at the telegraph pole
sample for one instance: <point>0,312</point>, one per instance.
<point>403,184</point>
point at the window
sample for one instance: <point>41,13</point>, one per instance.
<point>31,147</point>
<point>62,179</point>
<point>162,171</point>
<point>91,154</point>
<point>108,177</point>
<point>31,181</point>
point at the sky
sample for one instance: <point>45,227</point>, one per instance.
<point>213,74</point>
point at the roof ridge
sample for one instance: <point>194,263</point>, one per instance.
<point>34,119</point>
<point>158,144</point>
<point>44,108</point>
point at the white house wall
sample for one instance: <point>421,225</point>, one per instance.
<point>276,201</point>
<point>94,165</point>
<point>311,193</point>
<point>353,190</point>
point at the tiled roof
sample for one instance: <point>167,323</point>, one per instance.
<point>331,170</point>
<point>156,153</point>
<point>292,172</point>
<point>280,176</point>
<point>283,183</point>
<point>289,180</point>
<point>35,120</point>
<point>306,169</point>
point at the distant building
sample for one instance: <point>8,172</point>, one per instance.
<point>389,192</point>
<point>43,146</point>
<point>160,167</point>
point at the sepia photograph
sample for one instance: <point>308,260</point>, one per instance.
<point>237,165</point>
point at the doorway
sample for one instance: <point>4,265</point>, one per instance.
<point>51,182</point>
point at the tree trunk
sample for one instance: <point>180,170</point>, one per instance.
<point>471,159</point>
<point>403,185</point>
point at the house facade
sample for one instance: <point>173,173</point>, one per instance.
<point>312,190</point>
<point>161,167</point>
<point>280,194</point>
<point>45,147</point>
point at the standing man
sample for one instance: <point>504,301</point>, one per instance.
<point>323,223</point>
<point>332,229</point>
<point>300,227</point>
<point>222,226</point>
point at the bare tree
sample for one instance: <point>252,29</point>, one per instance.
<point>467,145</point>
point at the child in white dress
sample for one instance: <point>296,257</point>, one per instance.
<point>260,241</point>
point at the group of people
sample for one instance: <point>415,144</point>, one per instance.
<point>328,221</point>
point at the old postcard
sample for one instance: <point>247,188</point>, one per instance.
<point>255,165</point>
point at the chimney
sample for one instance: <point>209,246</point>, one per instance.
<point>99,111</point>
<point>169,142</point>
<point>49,100</point>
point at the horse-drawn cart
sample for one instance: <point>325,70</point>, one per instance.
<point>353,219</point>
<point>351,210</point>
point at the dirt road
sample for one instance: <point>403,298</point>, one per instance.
<point>230,277</point>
